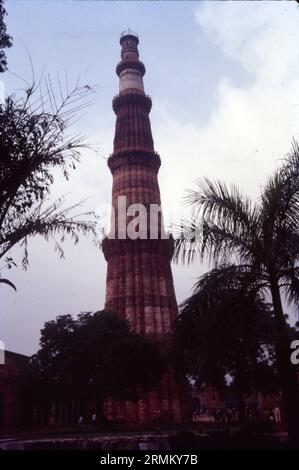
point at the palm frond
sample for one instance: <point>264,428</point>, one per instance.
<point>187,240</point>
<point>9,283</point>
<point>228,278</point>
<point>223,224</point>
<point>225,312</point>
<point>49,222</point>
<point>280,197</point>
<point>215,201</point>
<point>290,285</point>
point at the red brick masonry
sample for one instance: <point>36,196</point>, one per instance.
<point>139,278</point>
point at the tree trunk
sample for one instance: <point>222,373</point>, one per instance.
<point>241,406</point>
<point>101,418</point>
<point>241,401</point>
<point>287,372</point>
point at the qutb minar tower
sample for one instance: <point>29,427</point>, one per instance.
<point>139,278</point>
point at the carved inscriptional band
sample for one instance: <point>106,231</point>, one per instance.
<point>116,247</point>
<point>130,64</point>
<point>128,99</point>
<point>133,157</point>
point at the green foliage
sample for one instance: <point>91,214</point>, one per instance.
<point>35,139</point>
<point>260,243</point>
<point>225,327</point>
<point>5,39</point>
<point>93,356</point>
<point>261,238</point>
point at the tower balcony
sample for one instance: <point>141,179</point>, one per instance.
<point>129,97</point>
<point>134,156</point>
<point>116,247</point>
<point>130,64</point>
<point>129,32</point>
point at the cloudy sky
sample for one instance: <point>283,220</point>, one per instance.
<point>224,80</point>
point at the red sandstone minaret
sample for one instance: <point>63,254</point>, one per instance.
<point>139,277</point>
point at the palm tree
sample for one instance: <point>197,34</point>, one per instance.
<point>258,240</point>
<point>225,328</point>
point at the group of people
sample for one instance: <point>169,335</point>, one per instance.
<point>93,420</point>
<point>232,415</point>
<point>273,415</point>
<point>224,415</point>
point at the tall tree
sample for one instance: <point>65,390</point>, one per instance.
<point>225,329</point>
<point>93,357</point>
<point>36,137</point>
<point>5,39</point>
<point>261,240</point>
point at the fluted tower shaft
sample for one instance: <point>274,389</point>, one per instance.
<point>139,278</point>
<point>139,283</point>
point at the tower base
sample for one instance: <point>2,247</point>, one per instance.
<point>169,403</point>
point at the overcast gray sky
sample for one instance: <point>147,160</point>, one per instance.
<point>224,80</point>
